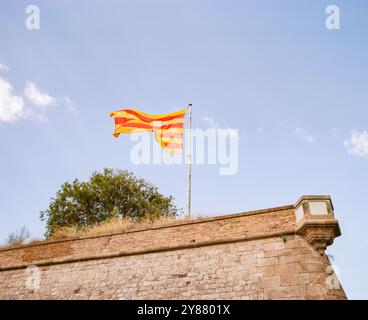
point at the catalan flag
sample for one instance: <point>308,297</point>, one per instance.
<point>168,128</point>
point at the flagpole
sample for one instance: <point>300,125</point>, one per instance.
<point>189,161</point>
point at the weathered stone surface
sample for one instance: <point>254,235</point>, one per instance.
<point>258,255</point>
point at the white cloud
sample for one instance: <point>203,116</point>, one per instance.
<point>3,67</point>
<point>357,144</point>
<point>210,122</point>
<point>14,107</point>
<point>70,106</point>
<point>38,97</point>
<point>11,106</point>
<point>260,130</point>
<point>227,132</point>
<point>302,134</point>
<point>31,105</point>
<point>335,132</point>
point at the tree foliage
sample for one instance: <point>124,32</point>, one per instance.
<point>113,193</point>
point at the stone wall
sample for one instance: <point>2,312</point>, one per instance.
<point>267,254</point>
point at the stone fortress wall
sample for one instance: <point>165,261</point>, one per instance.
<point>276,253</point>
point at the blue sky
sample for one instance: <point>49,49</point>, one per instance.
<point>294,90</point>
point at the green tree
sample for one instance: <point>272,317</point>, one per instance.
<point>113,193</point>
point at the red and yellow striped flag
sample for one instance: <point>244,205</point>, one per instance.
<point>168,128</point>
